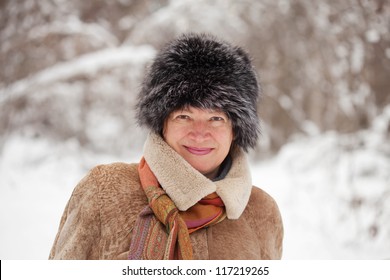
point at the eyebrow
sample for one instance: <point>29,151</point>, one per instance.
<point>211,111</point>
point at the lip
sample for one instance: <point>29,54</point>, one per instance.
<point>199,151</point>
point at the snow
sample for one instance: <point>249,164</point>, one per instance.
<point>88,64</point>
<point>73,26</point>
<point>357,57</point>
<point>372,36</point>
<point>220,17</point>
<point>334,198</point>
<point>335,202</point>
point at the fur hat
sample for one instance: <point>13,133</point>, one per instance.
<point>201,71</point>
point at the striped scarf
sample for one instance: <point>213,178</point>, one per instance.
<point>161,230</point>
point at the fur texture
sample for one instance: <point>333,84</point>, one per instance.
<point>203,72</point>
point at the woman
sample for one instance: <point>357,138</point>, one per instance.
<point>191,195</point>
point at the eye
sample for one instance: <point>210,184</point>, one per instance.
<point>182,117</point>
<point>218,119</point>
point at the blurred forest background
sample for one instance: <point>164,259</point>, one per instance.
<point>324,65</point>
<point>71,71</point>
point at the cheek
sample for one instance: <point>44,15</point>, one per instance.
<point>225,138</point>
<point>171,134</point>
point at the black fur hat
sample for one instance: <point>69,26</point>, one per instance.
<point>201,71</point>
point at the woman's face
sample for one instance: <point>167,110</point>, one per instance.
<point>202,137</point>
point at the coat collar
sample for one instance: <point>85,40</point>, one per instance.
<point>186,186</point>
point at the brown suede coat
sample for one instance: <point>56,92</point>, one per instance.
<point>98,220</point>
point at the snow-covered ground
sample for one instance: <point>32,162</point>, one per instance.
<point>335,202</point>
<point>333,192</point>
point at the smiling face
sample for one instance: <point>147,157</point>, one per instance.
<point>202,137</point>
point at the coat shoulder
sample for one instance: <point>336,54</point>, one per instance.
<point>262,198</point>
<point>262,204</point>
<point>117,170</point>
<point>117,176</point>
<point>112,182</point>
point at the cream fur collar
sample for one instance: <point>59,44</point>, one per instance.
<point>186,186</point>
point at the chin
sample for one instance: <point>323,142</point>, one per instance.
<point>200,167</point>
<point>205,171</point>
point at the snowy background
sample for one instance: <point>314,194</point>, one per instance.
<point>72,69</point>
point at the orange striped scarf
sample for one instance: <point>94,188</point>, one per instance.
<point>161,230</point>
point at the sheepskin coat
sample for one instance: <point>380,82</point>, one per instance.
<point>98,220</point>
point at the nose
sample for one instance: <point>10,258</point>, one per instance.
<point>199,131</point>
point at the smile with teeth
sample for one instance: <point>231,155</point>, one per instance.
<point>198,151</point>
